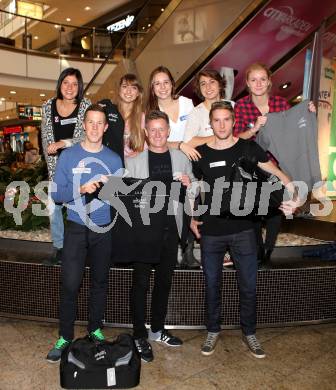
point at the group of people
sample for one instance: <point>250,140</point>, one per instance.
<point>169,139</point>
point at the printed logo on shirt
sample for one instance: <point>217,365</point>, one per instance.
<point>302,122</point>
<point>183,117</point>
<point>68,121</point>
<point>217,164</point>
<point>56,119</point>
<point>112,117</point>
<point>81,168</point>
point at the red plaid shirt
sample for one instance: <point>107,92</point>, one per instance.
<point>246,112</point>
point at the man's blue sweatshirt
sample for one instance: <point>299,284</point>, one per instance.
<point>75,167</point>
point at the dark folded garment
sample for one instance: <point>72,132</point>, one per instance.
<point>137,233</point>
<point>326,252</point>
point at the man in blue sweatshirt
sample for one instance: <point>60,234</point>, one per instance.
<point>80,171</point>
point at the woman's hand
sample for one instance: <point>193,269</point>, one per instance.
<point>311,107</point>
<point>53,148</point>
<point>194,227</point>
<point>260,122</point>
<point>190,152</point>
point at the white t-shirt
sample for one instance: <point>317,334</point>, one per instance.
<point>177,128</point>
<point>198,124</point>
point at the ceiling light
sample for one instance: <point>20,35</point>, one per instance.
<point>12,92</point>
<point>55,52</point>
<point>7,117</point>
<point>143,27</point>
<point>87,8</point>
<point>162,9</point>
<point>56,26</point>
<point>285,85</point>
<point>82,55</point>
<point>42,94</point>
<point>36,37</point>
<point>148,24</point>
<point>68,19</point>
<point>3,99</point>
<point>87,93</point>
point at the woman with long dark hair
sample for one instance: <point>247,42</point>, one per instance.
<point>61,127</point>
<point>129,103</point>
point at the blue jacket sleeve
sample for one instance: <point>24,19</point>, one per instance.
<point>64,184</point>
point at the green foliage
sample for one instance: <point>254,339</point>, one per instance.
<point>31,176</point>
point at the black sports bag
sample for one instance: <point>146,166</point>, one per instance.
<point>87,364</point>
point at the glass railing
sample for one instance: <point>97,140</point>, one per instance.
<point>43,36</point>
<point>32,34</point>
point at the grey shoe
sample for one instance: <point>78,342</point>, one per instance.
<point>55,353</point>
<point>254,346</point>
<point>209,344</point>
<point>188,259</point>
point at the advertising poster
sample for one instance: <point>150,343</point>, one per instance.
<point>325,111</point>
<point>331,188</point>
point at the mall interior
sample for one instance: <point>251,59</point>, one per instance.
<point>296,288</point>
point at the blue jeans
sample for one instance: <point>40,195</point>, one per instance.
<point>244,252</point>
<point>57,227</point>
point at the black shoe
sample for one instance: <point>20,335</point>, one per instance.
<point>266,259</point>
<point>55,258</point>
<point>188,259</point>
<point>261,255</point>
<point>59,255</point>
<point>144,349</point>
<point>268,254</point>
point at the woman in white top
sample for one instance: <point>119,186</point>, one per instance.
<point>129,104</point>
<point>161,96</point>
<point>209,85</point>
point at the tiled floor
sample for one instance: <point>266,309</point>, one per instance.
<point>298,358</point>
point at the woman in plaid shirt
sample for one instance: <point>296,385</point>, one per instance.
<point>250,115</point>
<point>251,110</point>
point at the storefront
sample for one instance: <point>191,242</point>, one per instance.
<point>18,135</point>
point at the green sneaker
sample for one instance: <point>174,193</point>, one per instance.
<point>97,335</point>
<point>55,353</point>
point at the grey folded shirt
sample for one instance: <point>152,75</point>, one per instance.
<point>291,137</point>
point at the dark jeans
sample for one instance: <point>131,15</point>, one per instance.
<point>78,241</point>
<point>164,271</point>
<point>243,249</point>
